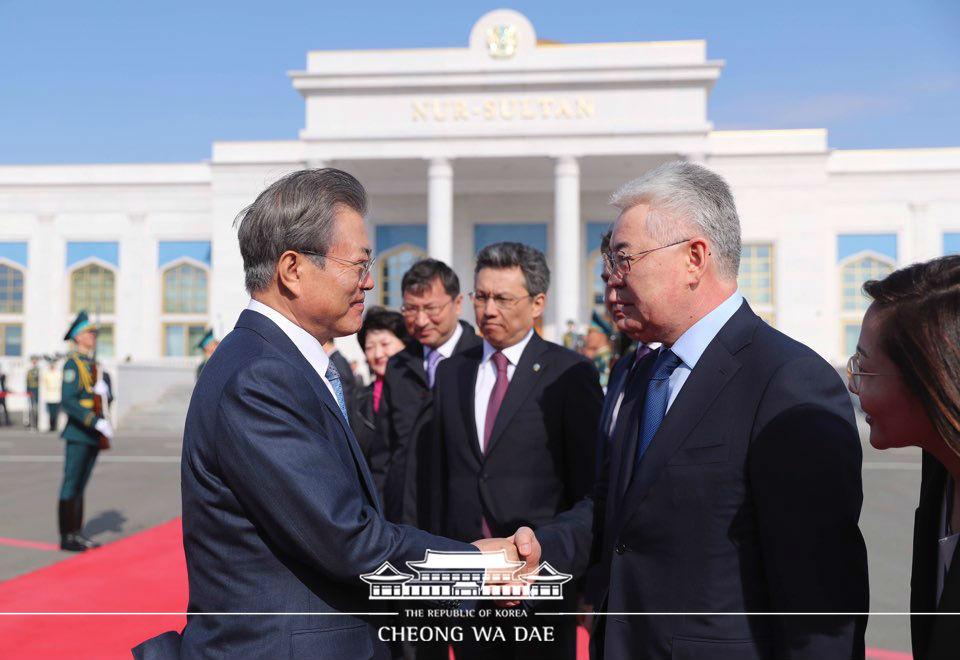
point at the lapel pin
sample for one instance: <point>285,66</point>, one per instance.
<point>536,366</point>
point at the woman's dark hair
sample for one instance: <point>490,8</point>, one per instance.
<point>378,318</point>
<point>921,334</point>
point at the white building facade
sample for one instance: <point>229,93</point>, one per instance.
<point>506,139</point>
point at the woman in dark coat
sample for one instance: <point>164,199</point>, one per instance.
<point>381,336</point>
<point>907,374</point>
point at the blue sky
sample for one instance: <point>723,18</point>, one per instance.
<point>122,81</point>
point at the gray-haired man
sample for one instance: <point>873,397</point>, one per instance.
<point>732,484</point>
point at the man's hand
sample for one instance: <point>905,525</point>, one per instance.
<point>492,545</point>
<point>528,548</point>
<point>105,428</point>
<point>101,388</point>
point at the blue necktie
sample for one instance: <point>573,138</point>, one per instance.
<point>333,376</point>
<point>655,401</point>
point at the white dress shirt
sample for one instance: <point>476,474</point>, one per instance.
<point>307,344</point>
<point>446,348</point>
<point>487,378</point>
<point>692,343</point>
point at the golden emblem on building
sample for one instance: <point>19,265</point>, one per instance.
<point>502,41</point>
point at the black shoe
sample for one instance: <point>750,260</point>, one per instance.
<point>70,543</point>
<point>84,541</point>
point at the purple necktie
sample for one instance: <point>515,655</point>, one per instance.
<point>642,350</point>
<point>493,407</point>
<point>432,361</point>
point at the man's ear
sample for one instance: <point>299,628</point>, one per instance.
<point>290,272</point>
<point>698,251</point>
<point>539,301</point>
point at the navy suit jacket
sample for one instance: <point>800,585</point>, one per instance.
<point>747,500</point>
<point>280,513</point>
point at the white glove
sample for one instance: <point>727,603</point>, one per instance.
<point>105,428</point>
<point>101,388</point>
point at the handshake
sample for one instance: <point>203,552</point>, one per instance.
<point>522,546</point>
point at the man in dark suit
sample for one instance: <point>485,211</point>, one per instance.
<point>431,309</point>
<point>733,481</point>
<point>280,513</point>
<point>516,422</point>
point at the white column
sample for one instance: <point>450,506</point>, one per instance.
<point>440,210</point>
<point>566,243</point>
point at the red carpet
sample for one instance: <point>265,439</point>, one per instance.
<point>145,572</point>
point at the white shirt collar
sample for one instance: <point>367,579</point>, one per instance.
<point>512,353</point>
<point>306,343</point>
<point>692,343</point>
<point>446,348</point>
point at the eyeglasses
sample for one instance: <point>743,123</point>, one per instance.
<point>365,264</point>
<point>618,263</point>
<point>432,310</point>
<point>855,373</point>
<point>500,300</point>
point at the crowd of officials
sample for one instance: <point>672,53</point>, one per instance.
<point>707,501</point>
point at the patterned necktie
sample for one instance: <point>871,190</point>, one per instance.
<point>432,361</point>
<point>333,376</point>
<point>655,401</point>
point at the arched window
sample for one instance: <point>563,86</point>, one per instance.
<point>392,264</point>
<point>185,290</point>
<point>185,296</point>
<point>11,290</point>
<point>854,271</point>
<point>92,288</point>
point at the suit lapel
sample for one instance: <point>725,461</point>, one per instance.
<point>617,380</point>
<point>273,334</point>
<point>413,361</point>
<point>522,384</point>
<point>714,370</point>
<point>467,382</point>
<point>628,422</point>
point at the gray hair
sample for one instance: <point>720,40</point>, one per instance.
<point>294,213</point>
<point>684,196</point>
<point>530,260</point>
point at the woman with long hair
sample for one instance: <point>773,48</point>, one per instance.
<point>906,372</point>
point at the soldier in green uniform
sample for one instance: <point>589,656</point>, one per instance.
<point>208,345</point>
<point>82,432</point>
<point>33,393</point>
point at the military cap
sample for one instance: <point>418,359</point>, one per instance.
<point>207,338</point>
<point>81,323</point>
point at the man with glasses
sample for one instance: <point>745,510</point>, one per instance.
<point>280,514</point>
<point>733,482</point>
<point>516,422</point>
<point>431,309</point>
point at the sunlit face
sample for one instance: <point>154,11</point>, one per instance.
<point>435,315</point>
<point>379,346</point>
<point>86,340</point>
<point>508,322</point>
<point>894,413</point>
<point>333,297</point>
<point>625,325</point>
<point>648,301</point>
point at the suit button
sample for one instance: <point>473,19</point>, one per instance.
<point>621,548</point>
